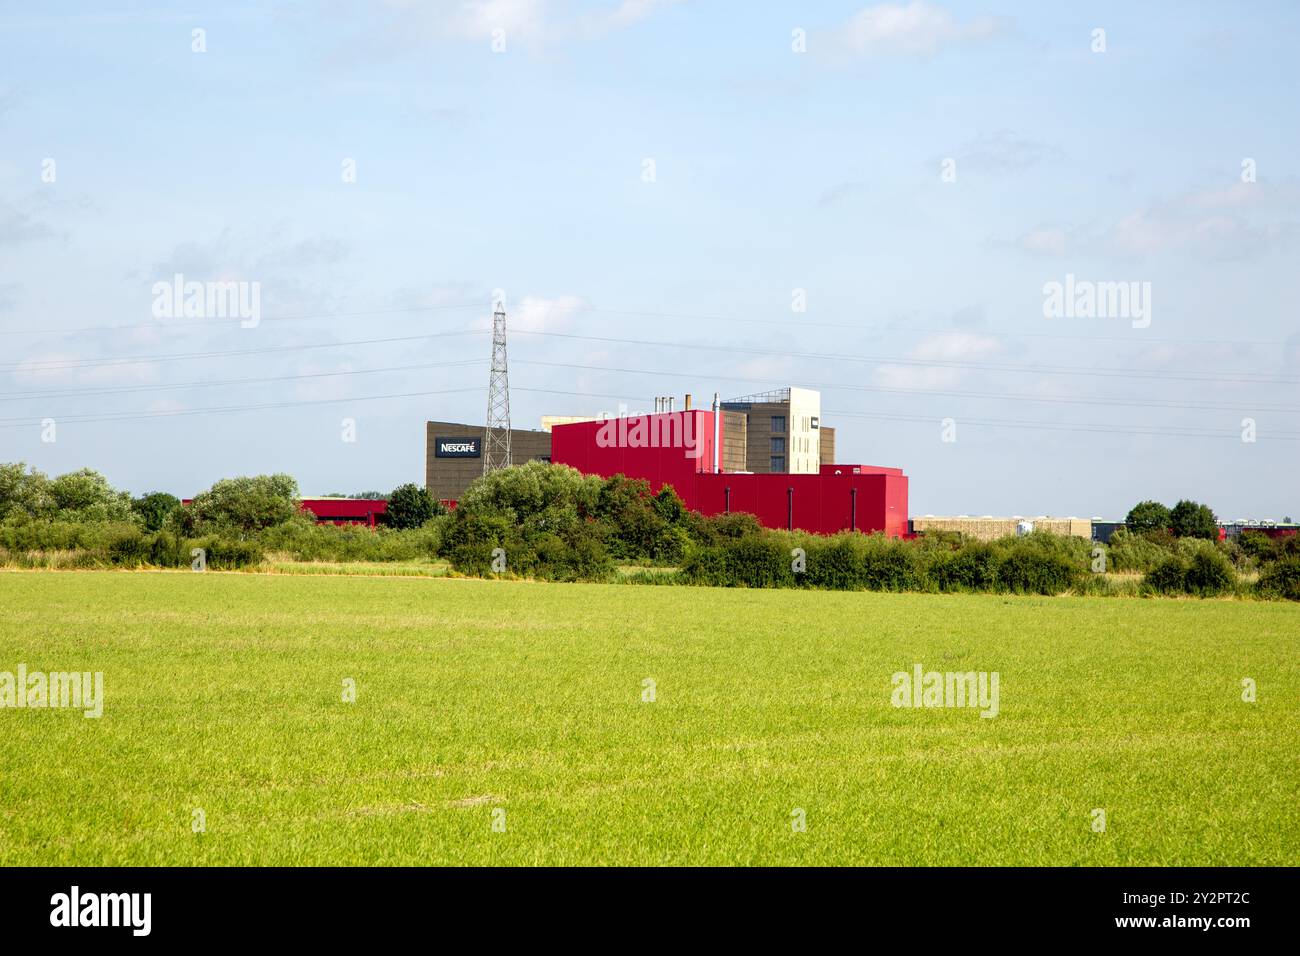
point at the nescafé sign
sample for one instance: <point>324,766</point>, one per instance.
<point>456,447</point>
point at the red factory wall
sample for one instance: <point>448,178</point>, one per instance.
<point>339,510</point>
<point>677,448</point>
<point>344,510</point>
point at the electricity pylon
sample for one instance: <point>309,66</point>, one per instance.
<point>496,432</point>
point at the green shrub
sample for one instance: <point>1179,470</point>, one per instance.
<point>937,539</point>
<point>153,508</point>
<point>756,561</point>
<point>1168,576</point>
<point>672,545</point>
<point>1134,552</point>
<point>835,563</point>
<point>890,565</point>
<point>1191,519</point>
<point>634,524</point>
<point>735,524</point>
<point>1147,516</point>
<point>167,551</point>
<point>1032,570</point>
<point>303,540</point>
<point>410,506</point>
<point>129,548</point>
<point>228,554</point>
<point>237,507</point>
<point>1209,573</point>
<point>1281,579</point>
<point>972,568</point>
<point>706,565</point>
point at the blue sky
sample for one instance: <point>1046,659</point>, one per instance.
<point>774,171</point>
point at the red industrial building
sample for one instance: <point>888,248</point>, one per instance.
<point>339,510</point>
<point>345,510</point>
<point>683,449</point>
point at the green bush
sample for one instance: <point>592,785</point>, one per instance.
<point>1134,552</point>
<point>1209,573</point>
<point>238,507</point>
<point>735,524</point>
<point>304,540</point>
<point>890,565</point>
<point>672,545</point>
<point>1168,576</point>
<point>129,548</point>
<point>1191,519</point>
<point>835,563</point>
<point>634,524</point>
<point>1026,569</point>
<point>152,509</point>
<point>227,554</point>
<point>1147,516</point>
<point>756,561</point>
<point>410,506</point>
<point>1281,579</point>
<point>972,568</point>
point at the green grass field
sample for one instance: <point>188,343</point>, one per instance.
<point>223,692</point>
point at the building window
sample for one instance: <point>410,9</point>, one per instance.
<point>778,463</point>
<point>778,446</point>
<point>778,423</point>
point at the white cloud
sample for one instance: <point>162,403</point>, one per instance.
<point>530,23</point>
<point>1046,240</point>
<point>1003,151</point>
<point>537,314</point>
<point>1239,221</point>
<point>918,29</point>
<point>946,347</point>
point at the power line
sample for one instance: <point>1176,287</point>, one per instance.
<point>876,360</point>
<point>158,387</point>
<point>829,386</point>
<point>924,363</point>
<point>205,323</point>
<point>795,323</point>
<point>1122,402</point>
<point>1157,431</point>
<point>186,356</point>
<point>221,409</point>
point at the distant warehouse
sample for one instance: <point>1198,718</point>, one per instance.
<point>989,528</point>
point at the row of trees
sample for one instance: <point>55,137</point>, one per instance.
<point>233,505</point>
<point>553,522</point>
<point>1186,519</point>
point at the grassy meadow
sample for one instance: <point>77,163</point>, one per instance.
<point>520,704</point>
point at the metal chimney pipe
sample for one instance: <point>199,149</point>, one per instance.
<point>717,434</point>
<point>688,401</point>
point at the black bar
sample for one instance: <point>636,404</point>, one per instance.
<point>995,904</point>
<point>789,509</point>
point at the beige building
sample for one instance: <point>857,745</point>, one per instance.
<point>989,528</point>
<point>782,432</point>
